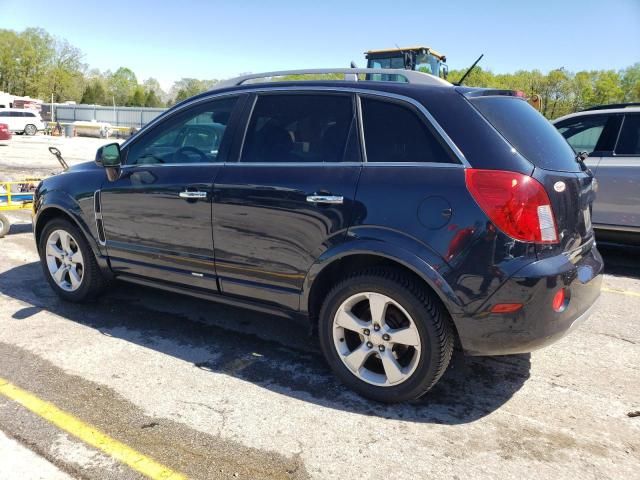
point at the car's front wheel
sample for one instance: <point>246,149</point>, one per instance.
<point>30,130</point>
<point>385,335</point>
<point>68,262</point>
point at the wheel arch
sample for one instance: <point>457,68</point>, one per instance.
<point>357,255</point>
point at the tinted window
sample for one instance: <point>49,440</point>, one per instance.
<point>528,131</point>
<point>4,114</point>
<point>301,128</point>
<point>15,114</point>
<point>394,133</point>
<point>29,114</point>
<point>629,141</point>
<point>583,133</point>
<point>191,136</point>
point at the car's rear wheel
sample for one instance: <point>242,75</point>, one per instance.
<point>30,130</point>
<point>68,262</point>
<point>385,335</point>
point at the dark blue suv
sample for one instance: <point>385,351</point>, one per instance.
<point>398,218</point>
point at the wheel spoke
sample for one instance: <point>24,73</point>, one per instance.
<point>59,274</point>
<point>64,241</point>
<point>349,321</point>
<point>356,359</point>
<point>73,275</point>
<point>378,306</point>
<point>405,336</point>
<point>54,251</point>
<point>77,257</point>
<point>392,368</point>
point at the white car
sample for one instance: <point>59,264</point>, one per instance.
<point>21,120</point>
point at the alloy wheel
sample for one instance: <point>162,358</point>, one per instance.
<point>64,260</point>
<point>376,339</point>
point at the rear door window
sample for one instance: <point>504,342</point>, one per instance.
<point>301,128</point>
<point>591,133</point>
<point>395,133</point>
<point>629,141</point>
<point>528,132</point>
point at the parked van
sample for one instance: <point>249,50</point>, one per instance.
<point>21,120</point>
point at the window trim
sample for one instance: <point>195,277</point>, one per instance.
<point>245,93</point>
<point>247,121</point>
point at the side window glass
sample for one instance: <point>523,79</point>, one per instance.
<point>584,133</point>
<point>191,136</point>
<point>394,133</point>
<point>629,141</point>
<point>301,128</point>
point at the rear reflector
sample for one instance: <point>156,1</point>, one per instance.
<point>517,204</point>
<point>559,302</point>
<point>506,307</point>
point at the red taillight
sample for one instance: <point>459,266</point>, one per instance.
<point>517,204</point>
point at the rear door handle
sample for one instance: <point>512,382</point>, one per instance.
<point>327,199</point>
<point>192,194</point>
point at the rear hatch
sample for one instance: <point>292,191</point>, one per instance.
<point>569,184</point>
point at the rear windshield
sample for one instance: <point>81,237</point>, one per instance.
<point>528,131</point>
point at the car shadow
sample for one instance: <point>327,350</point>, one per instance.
<point>272,352</point>
<point>621,260</point>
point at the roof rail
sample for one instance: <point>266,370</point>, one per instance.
<point>350,74</point>
<point>613,105</point>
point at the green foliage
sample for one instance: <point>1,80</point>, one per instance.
<point>562,92</point>
<point>152,100</point>
<point>95,93</point>
<point>188,87</point>
<point>138,97</point>
<point>121,85</point>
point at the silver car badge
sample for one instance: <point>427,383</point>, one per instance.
<point>559,187</point>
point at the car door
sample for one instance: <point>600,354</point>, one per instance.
<point>157,214</point>
<point>595,134</point>
<point>618,175</point>
<point>290,195</point>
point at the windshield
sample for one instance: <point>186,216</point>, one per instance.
<point>428,64</point>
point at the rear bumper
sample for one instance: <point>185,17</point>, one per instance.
<point>536,324</point>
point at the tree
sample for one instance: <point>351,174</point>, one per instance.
<point>152,100</point>
<point>137,97</point>
<point>188,87</point>
<point>64,76</point>
<point>95,93</point>
<point>121,85</point>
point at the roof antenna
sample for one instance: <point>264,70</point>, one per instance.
<point>466,74</point>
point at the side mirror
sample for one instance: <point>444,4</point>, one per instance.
<point>108,156</point>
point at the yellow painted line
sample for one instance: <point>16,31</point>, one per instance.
<point>136,460</point>
<point>622,292</point>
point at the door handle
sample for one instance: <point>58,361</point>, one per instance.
<point>190,195</point>
<point>328,199</point>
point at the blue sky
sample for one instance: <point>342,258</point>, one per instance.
<point>215,39</point>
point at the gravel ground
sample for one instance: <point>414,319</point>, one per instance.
<point>218,392</point>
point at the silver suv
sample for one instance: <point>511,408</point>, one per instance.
<point>610,134</point>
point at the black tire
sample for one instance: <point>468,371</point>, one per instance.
<point>30,130</point>
<point>93,282</point>
<point>432,322</point>
<point>5,225</point>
